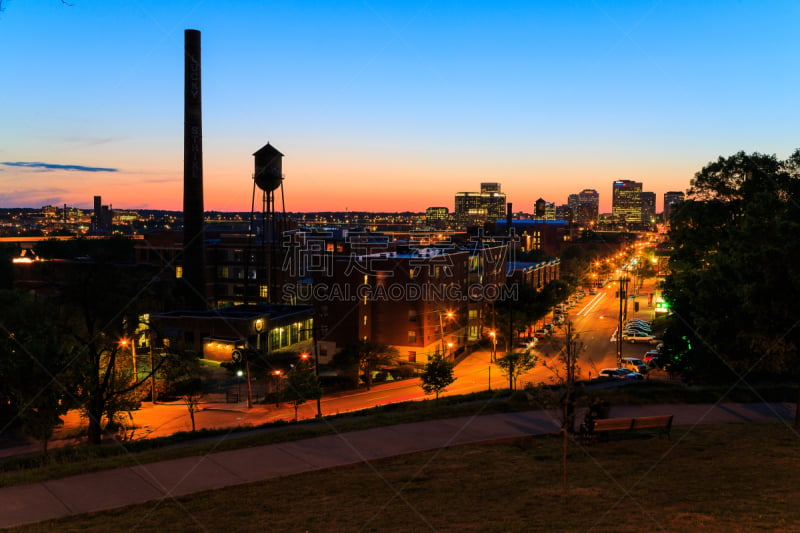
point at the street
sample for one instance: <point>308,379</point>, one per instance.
<point>594,320</point>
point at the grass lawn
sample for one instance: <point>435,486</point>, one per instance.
<point>738,477</point>
<point>78,460</point>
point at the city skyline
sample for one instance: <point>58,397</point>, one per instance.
<point>380,107</point>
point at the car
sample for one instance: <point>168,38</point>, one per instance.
<point>627,373</point>
<point>541,333</point>
<point>638,337</point>
<point>638,321</point>
<point>640,325</point>
<point>637,327</point>
<point>619,373</point>
<point>558,320</point>
<point>632,331</point>
<point>634,364</point>
<point>525,346</point>
<point>548,327</point>
<point>593,291</point>
<point>651,354</point>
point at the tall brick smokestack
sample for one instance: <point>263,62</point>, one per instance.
<point>193,233</point>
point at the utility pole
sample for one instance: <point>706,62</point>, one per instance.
<point>622,305</point>
<point>152,372</point>
<point>316,369</point>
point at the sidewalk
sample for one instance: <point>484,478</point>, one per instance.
<point>110,489</point>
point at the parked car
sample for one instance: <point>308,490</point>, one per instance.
<point>627,373</point>
<point>632,331</point>
<point>525,346</point>
<point>638,321</point>
<point>619,373</point>
<point>593,291</point>
<point>541,333</point>
<point>632,363</point>
<point>638,336</point>
<point>650,355</point>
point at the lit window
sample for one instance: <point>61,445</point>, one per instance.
<point>178,272</point>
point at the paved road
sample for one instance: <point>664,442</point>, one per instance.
<point>155,482</point>
<point>474,373</point>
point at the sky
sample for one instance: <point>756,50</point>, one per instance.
<point>389,106</point>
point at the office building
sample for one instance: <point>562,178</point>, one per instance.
<point>473,208</point>
<point>587,207</point>
<point>648,209</point>
<point>626,202</point>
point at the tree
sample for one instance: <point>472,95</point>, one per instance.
<point>437,375</point>
<point>514,364</point>
<point>186,375</point>
<point>735,271</point>
<point>364,356</point>
<point>34,368</point>
<point>97,305</point>
<point>302,384</point>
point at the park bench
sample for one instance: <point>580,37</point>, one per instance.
<point>662,424</point>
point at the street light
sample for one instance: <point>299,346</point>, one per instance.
<point>277,374</point>
<point>313,331</point>
<point>123,343</point>
<point>239,374</point>
<point>493,335</point>
<point>449,314</point>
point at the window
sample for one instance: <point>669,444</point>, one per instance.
<point>412,336</point>
<point>412,315</point>
<point>412,357</point>
<point>178,272</point>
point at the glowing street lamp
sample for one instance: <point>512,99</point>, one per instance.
<point>124,343</point>
<point>239,374</point>
<point>277,374</point>
<point>448,314</point>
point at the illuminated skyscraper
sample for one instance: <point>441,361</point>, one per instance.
<point>587,207</point>
<point>479,207</point>
<point>626,201</point>
<point>648,208</point>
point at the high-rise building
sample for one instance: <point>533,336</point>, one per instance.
<point>478,207</point>
<point>437,215</point>
<point>587,207</point>
<point>648,208</point>
<point>543,210</point>
<point>626,201</point>
<point>671,199</point>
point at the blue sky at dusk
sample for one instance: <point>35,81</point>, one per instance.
<point>389,106</point>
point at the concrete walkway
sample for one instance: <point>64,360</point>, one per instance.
<point>26,504</point>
